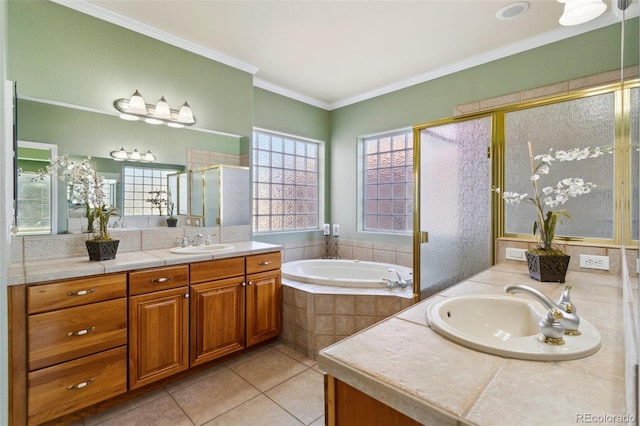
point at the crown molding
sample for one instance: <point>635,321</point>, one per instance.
<point>503,52</point>
<point>107,15</point>
<point>561,33</point>
<point>266,85</point>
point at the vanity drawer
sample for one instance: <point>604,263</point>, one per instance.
<point>68,293</point>
<point>67,387</point>
<point>158,279</point>
<point>217,269</point>
<point>59,336</point>
<point>263,262</point>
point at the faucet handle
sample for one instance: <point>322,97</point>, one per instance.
<point>184,242</point>
<point>551,327</point>
<point>565,301</point>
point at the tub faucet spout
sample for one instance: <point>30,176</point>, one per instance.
<point>400,282</point>
<point>570,319</point>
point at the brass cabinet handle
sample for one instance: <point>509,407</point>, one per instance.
<point>266,262</point>
<point>81,332</point>
<point>160,280</point>
<point>81,385</point>
<point>81,292</point>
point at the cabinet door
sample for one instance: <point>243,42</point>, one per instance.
<point>217,319</point>
<point>158,335</point>
<point>264,302</point>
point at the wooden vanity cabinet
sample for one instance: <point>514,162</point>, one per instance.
<point>158,324</point>
<point>346,405</point>
<point>263,298</point>
<point>217,309</point>
<point>76,344</point>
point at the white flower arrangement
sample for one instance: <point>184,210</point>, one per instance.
<point>554,196</point>
<point>86,187</point>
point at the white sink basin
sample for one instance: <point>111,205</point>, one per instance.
<point>506,326</point>
<point>211,248</point>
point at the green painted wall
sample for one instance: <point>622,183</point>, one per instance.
<point>59,54</point>
<point>85,133</point>
<point>591,53</point>
<point>285,115</point>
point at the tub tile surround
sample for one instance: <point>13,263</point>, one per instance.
<point>398,254</point>
<point>403,362</point>
<point>316,316</point>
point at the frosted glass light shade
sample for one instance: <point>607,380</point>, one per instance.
<point>185,115</point>
<point>148,157</point>
<point>119,155</point>
<point>580,11</point>
<point>162,111</point>
<point>135,155</point>
<point>137,104</point>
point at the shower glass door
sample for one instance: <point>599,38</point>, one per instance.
<point>455,209</point>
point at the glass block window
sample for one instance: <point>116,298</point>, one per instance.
<point>388,182</point>
<point>285,183</point>
<point>138,181</point>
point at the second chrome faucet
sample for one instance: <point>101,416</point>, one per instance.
<point>569,320</point>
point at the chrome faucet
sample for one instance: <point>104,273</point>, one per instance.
<point>570,320</point>
<point>400,282</point>
<point>197,240</point>
<point>184,241</point>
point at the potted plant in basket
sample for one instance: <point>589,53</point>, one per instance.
<point>86,187</point>
<point>546,261</point>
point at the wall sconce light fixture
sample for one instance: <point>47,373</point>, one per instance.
<point>133,156</point>
<point>135,108</point>
<point>580,11</point>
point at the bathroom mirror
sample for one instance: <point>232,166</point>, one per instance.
<point>80,133</point>
<point>37,212</point>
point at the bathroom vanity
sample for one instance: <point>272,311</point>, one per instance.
<point>402,372</point>
<point>83,332</point>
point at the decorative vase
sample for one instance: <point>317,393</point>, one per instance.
<point>547,268</point>
<point>102,250</point>
<point>172,222</point>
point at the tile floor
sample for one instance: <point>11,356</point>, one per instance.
<point>274,385</point>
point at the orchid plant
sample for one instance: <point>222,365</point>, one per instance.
<point>85,187</point>
<point>551,196</point>
<point>157,200</point>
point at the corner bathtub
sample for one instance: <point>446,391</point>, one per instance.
<point>326,300</point>
<point>344,273</point>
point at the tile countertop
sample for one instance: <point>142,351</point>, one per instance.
<point>47,270</point>
<point>406,365</point>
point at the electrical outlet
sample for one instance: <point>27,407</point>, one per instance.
<point>591,261</point>
<point>515,254</point>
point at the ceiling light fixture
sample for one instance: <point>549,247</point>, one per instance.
<point>580,11</point>
<point>512,10</point>
<point>134,156</point>
<point>135,108</point>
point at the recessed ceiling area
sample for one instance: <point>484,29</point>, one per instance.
<point>334,53</point>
